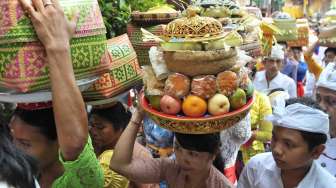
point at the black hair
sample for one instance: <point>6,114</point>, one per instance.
<point>275,90</point>
<point>333,50</point>
<point>297,48</point>
<point>203,143</point>
<point>43,119</point>
<point>17,168</point>
<point>312,139</point>
<point>283,44</point>
<point>117,115</point>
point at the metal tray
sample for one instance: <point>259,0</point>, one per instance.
<point>11,96</point>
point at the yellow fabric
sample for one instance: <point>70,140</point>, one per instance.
<point>112,179</point>
<point>313,66</point>
<point>260,109</point>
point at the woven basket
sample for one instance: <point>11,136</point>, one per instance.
<point>288,29</point>
<point>187,125</point>
<point>143,18</point>
<point>125,72</point>
<point>303,34</point>
<point>142,48</point>
<point>23,64</point>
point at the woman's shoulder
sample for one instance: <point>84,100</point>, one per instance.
<point>217,179</point>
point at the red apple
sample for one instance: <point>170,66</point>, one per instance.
<point>170,105</point>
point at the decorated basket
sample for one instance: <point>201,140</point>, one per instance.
<point>143,18</point>
<point>141,47</point>
<point>303,34</point>
<point>203,125</point>
<point>253,49</point>
<point>288,30</point>
<point>23,64</point>
<point>125,72</point>
<point>327,36</point>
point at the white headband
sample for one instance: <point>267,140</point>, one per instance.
<point>327,78</point>
<point>300,117</point>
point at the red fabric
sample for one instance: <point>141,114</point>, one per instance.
<point>300,89</point>
<point>35,106</point>
<point>230,173</point>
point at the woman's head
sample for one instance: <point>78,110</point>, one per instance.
<point>107,125</point>
<point>34,132</point>
<point>196,152</point>
<point>17,168</point>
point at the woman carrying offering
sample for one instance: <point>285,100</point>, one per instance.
<point>192,167</point>
<point>57,137</point>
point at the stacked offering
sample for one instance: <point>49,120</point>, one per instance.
<point>152,21</point>
<point>23,66</point>
<point>327,35</point>
<point>203,90</point>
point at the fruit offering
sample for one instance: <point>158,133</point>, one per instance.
<point>227,82</point>
<point>206,90</point>
<point>206,95</point>
<point>204,86</point>
<point>177,85</point>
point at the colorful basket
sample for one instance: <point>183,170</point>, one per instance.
<point>23,64</point>
<point>189,125</point>
<point>303,34</point>
<point>253,49</point>
<point>143,18</point>
<point>141,47</point>
<point>125,72</point>
<point>288,29</point>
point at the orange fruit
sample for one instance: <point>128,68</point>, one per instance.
<point>194,106</point>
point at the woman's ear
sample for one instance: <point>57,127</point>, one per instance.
<point>317,151</point>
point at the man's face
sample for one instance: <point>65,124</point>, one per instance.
<point>289,149</point>
<point>297,54</point>
<point>329,57</point>
<point>272,66</point>
<point>327,100</point>
<point>31,141</point>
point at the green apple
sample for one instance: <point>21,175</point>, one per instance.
<point>249,90</point>
<point>238,99</point>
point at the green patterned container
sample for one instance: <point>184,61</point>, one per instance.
<point>23,66</point>
<point>125,72</point>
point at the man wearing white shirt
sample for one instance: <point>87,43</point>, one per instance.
<point>271,78</point>
<point>326,96</point>
<point>299,134</point>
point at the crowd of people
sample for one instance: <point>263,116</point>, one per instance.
<point>287,140</point>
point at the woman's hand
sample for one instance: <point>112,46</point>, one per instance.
<point>51,26</point>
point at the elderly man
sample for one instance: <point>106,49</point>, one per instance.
<point>326,96</point>
<point>299,134</point>
<point>271,78</point>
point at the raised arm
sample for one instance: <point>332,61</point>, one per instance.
<point>135,166</point>
<point>55,32</point>
<point>313,66</point>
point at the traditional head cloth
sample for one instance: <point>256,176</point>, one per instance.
<point>300,117</point>
<point>327,78</point>
<point>277,52</point>
<point>278,98</point>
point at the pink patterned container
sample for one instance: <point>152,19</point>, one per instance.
<point>23,66</point>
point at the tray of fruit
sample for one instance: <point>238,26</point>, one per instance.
<point>194,84</point>
<point>201,105</point>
